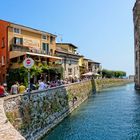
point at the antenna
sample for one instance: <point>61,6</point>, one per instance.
<point>60,38</point>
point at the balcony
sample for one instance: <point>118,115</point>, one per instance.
<point>61,49</point>
<point>21,48</point>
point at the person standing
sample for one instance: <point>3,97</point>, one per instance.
<point>14,89</point>
<point>42,85</point>
<point>22,88</point>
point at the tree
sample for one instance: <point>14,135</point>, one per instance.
<point>113,74</point>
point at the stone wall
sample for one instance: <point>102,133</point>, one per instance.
<point>33,116</point>
<point>106,83</point>
<point>7,131</point>
<point>36,114</point>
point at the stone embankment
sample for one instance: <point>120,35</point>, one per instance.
<point>7,130</point>
<point>31,117</point>
<point>101,84</point>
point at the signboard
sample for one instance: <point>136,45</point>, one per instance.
<point>31,42</point>
<point>28,63</point>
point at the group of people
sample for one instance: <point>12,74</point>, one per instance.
<point>15,89</point>
<point>19,88</point>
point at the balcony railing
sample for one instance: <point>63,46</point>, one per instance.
<point>16,47</point>
<point>21,48</point>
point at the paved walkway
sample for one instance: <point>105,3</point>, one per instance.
<point>7,131</point>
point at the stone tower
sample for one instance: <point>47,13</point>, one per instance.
<point>136,20</point>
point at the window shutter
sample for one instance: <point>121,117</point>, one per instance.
<point>21,41</point>
<point>14,40</point>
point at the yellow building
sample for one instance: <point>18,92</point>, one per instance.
<point>25,41</point>
<point>22,41</point>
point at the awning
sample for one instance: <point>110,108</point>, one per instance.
<point>88,74</point>
<point>14,54</point>
<point>96,74</point>
<point>44,55</point>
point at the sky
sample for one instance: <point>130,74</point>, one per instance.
<point>101,29</point>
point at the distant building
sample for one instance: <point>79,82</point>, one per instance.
<point>136,20</point>
<point>94,67</point>
<point>88,65</point>
<point>131,77</point>
<point>70,59</point>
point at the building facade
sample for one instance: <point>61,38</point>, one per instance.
<point>88,65</point>
<point>18,42</point>
<point>136,20</point>
<point>4,53</point>
<point>70,62</point>
<point>94,67</point>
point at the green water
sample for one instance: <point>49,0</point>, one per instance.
<point>113,114</point>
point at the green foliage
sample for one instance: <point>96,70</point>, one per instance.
<point>113,74</point>
<point>35,71</point>
<point>56,71</point>
<point>18,74</point>
<point>10,116</point>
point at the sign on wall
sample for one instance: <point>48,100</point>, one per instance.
<point>31,42</point>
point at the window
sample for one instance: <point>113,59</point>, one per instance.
<point>70,62</point>
<point>18,41</point>
<point>70,48</point>
<point>51,51</point>
<point>44,37</point>
<point>3,42</point>
<point>51,39</point>
<point>16,30</point>
<point>45,47</point>
<point>69,71</point>
<point>77,68</point>
<point>3,60</point>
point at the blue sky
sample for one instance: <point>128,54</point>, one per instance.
<point>102,29</point>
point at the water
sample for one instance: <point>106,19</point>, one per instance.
<point>113,114</point>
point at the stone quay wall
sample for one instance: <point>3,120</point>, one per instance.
<point>31,117</point>
<point>101,84</point>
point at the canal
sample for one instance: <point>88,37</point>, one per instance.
<point>113,114</point>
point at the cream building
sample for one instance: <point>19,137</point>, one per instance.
<point>94,67</point>
<point>70,59</point>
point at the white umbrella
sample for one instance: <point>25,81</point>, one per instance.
<point>88,74</point>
